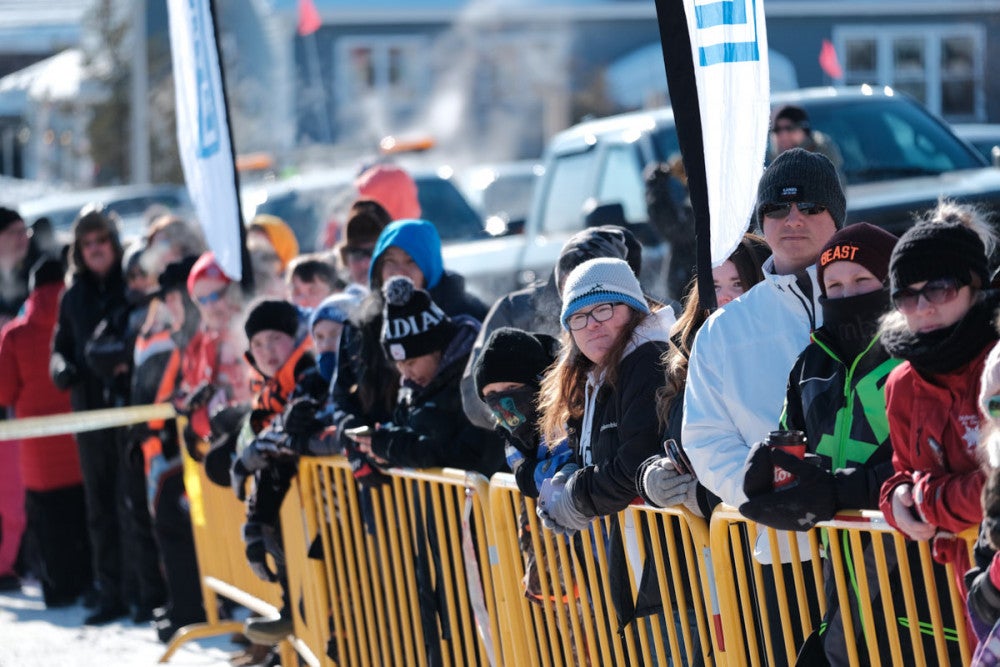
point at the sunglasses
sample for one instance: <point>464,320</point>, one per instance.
<point>780,211</point>
<point>358,254</point>
<point>935,292</point>
<point>211,297</point>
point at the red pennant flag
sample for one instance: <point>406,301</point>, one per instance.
<point>829,62</point>
<point>309,20</point>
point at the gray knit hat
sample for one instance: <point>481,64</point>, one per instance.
<point>799,175</point>
<point>601,280</point>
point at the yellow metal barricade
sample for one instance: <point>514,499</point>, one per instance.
<point>405,566</point>
<point>310,605</point>
<point>217,519</point>
<point>896,605</point>
<point>568,616</point>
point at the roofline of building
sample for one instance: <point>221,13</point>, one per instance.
<point>606,11</point>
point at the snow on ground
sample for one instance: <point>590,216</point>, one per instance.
<point>33,636</point>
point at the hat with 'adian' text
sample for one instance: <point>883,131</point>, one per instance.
<point>412,324</point>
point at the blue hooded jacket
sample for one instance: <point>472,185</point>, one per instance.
<point>420,240</point>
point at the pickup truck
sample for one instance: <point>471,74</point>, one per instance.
<point>898,160</point>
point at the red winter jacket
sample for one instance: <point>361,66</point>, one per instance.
<point>213,358</point>
<point>52,462</point>
<point>934,428</point>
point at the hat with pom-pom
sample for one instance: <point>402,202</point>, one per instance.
<point>412,324</point>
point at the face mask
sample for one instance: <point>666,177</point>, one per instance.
<point>327,364</point>
<point>515,411</point>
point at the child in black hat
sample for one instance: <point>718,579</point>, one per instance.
<point>430,350</point>
<point>508,376</point>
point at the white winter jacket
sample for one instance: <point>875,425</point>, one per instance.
<point>738,373</point>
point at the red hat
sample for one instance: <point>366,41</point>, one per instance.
<point>206,267</point>
<point>391,187</point>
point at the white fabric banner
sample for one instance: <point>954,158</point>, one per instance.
<point>729,47</point>
<point>203,130</point>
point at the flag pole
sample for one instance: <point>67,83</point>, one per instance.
<point>679,65</point>
<point>246,275</point>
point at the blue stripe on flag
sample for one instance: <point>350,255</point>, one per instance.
<point>727,12</point>
<point>728,52</point>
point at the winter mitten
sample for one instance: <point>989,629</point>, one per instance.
<point>811,498</point>
<point>661,485</point>
<point>265,448</point>
<point>555,504</point>
<point>300,418</point>
<point>758,471</point>
<point>256,551</point>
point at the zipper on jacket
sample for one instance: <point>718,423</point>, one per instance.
<point>808,303</point>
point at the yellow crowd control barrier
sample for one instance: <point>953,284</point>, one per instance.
<point>397,574</point>
<point>217,518</point>
<point>556,597</point>
<point>896,605</point>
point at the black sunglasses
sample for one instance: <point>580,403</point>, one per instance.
<point>358,253</point>
<point>935,292</point>
<point>780,211</point>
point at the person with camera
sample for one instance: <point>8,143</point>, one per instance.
<point>96,298</point>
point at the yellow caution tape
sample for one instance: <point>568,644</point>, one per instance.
<point>87,420</point>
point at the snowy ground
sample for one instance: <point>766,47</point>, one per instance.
<point>33,636</point>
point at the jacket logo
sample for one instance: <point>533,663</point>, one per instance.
<point>609,425</point>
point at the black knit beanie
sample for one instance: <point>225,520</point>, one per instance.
<point>793,114</point>
<point>798,175</point>
<point>861,243</point>
<point>938,249</point>
<point>8,217</point>
<point>274,315</point>
<point>175,275</point>
<point>412,324</point>
<point>513,355</point>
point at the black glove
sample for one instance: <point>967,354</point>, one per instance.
<point>197,399</point>
<point>238,474</point>
<point>300,418</point>
<point>365,472</point>
<point>256,550</point>
<point>758,471</point>
<point>809,499</point>
<point>63,374</point>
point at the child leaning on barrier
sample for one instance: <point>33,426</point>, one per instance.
<point>508,375</point>
<point>429,349</point>
<point>944,329</point>
<point>279,351</point>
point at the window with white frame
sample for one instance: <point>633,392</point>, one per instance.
<point>388,70</point>
<point>940,65</point>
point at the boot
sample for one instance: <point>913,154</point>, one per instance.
<point>268,631</point>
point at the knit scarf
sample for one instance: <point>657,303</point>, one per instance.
<point>944,350</point>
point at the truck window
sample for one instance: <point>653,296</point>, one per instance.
<point>569,178</point>
<point>621,182</point>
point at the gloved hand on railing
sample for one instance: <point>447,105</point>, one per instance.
<point>256,551</point>
<point>809,499</point>
<point>661,485</point>
<point>300,418</point>
<point>555,503</point>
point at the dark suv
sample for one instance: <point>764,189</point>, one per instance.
<point>898,160</point>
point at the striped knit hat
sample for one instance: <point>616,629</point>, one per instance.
<point>601,280</point>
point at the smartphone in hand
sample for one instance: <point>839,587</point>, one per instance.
<point>678,456</point>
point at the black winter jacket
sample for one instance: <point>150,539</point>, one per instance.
<point>86,302</point>
<point>429,428</point>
